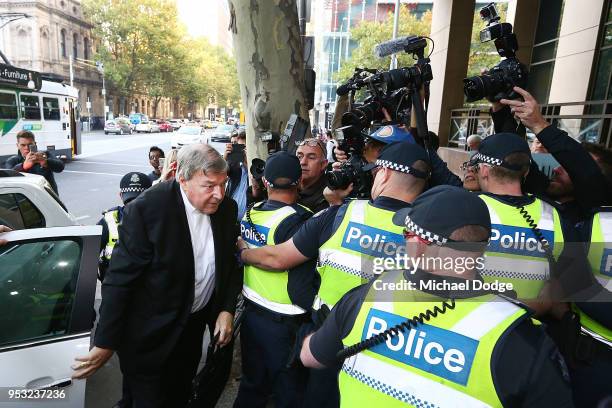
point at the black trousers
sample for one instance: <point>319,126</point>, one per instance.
<point>322,390</point>
<point>267,340</point>
<point>172,386</point>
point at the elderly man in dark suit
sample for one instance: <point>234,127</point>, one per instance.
<point>172,273</point>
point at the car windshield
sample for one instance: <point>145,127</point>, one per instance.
<point>225,128</point>
<point>189,130</point>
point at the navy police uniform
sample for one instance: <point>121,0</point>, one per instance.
<point>275,308</point>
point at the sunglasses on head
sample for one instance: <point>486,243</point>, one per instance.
<point>311,143</point>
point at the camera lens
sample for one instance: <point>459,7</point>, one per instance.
<point>474,88</point>
<point>338,179</point>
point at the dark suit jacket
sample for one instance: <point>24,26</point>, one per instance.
<point>148,290</point>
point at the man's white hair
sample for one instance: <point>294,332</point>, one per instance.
<point>199,156</point>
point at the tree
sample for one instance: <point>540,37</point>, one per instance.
<point>131,36</point>
<point>370,33</point>
<point>483,55</point>
<point>270,65</point>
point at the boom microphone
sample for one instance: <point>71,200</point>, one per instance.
<point>408,44</point>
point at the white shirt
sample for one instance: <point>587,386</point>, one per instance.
<point>203,254</point>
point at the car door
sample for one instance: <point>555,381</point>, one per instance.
<point>47,288</point>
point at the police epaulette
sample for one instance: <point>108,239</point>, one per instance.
<point>515,301</point>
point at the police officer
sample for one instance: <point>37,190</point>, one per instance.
<point>344,237</point>
<point>130,187</point>
<point>277,301</point>
<point>526,231</point>
<point>592,360</point>
<point>473,349</point>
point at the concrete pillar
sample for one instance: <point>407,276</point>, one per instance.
<point>575,57</point>
<point>575,50</point>
<point>451,21</point>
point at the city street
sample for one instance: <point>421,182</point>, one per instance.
<point>88,186</point>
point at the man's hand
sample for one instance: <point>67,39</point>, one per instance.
<point>89,364</point>
<point>340,155</point>
<point>4,228</point>
<point>527,112</point>
<point>42,159</point>
<point>336,197</point>
<point>224,328</point>
<point>228,150</point>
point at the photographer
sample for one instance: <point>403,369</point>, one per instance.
<point>238,175</point>
<point>579,185</point>
<point>312,155</point>
<point>30,160</point>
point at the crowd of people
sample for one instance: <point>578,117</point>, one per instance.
<point>505,301</point>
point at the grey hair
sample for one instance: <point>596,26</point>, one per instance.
<point>199,156</point>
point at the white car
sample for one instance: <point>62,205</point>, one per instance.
<point>27,201</point>
<point>187,135</point>
<point>149,126</point>
<point>47,286</point>
<point>176,123</point>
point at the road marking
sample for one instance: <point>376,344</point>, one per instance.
<point>82,217</point>
<point>92,172</point>
<point>110,164</point>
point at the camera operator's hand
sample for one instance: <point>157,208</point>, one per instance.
<point>228,150</point>
<point>336,166</point>
<point>336,197</point>
<point>340,155</point>
<point>528,112</point>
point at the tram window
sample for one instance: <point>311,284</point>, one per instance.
<point>51,109</point>
<point>8,106</point>
<point>30,108</point>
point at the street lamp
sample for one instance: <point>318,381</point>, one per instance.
<point>6,18</point>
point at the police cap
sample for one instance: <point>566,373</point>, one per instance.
<point>400,156</point>
<point>440,211</point>
<point>132,184</point>
<point>496,148</point>
<point>391,134</point>
<point>283,170</point>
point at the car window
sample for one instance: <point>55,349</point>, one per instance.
<point>8,106</point>
<point>189,130</point>
<point>18,212</point>
<point>37,288</point>
<point>51,109</point>
<point>30,107</point>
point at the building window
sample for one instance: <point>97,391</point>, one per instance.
<point>63,42</point>
<point>545,49</point>
<point>86,48</point>
<point>601,88</point>
<point>75,49</point>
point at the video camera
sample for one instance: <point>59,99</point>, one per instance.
<point>395,90</point>
<point>497,84</point>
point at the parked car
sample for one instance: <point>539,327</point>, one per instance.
<point>126,119</point>
<point>176,123</point>
<point>149,126</point>
<point>187,135</point>
<point>164,126</point>
<point>222,133</point>
<point>117,126</point>
<point>48,283</point>
<point>209,124</point>
<point>137,118</point>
